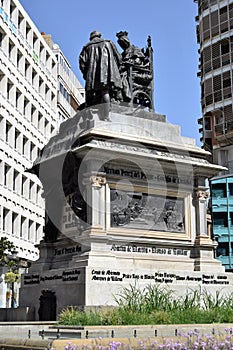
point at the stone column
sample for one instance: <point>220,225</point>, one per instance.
<point>96,199</point>
<point>201,211</point>
<point>204,246</point>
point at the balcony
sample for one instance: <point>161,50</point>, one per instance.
<point>222,232</point>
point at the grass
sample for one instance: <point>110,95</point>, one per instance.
<point>156,305</point>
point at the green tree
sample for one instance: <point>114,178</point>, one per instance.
<point>6,247</point>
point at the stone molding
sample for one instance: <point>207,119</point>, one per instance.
<point>202,195</point>
<point>97,181</point>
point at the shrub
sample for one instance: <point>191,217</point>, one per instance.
<point>156,305</point>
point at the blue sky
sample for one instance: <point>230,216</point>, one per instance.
<point>171,24</point>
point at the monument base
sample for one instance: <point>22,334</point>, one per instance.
<point>134,213</point>
<point>95,277</point>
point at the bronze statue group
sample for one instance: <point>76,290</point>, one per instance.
<point>114,77</point>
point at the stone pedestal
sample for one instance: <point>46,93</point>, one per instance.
<point>134,213</point>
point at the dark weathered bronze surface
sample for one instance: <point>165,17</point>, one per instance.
<point>99,62</point>
<point>111,77</point>
<point>136,72</point>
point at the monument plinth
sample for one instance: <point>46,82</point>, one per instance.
<point>124,192</point>
<point>128,205</point>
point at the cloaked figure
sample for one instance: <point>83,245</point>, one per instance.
<point>99,62</point>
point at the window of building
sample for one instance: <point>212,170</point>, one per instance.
<point>27,70</point>
<point>227,80</point>
<point>227,85</point>
<point>220,219</point>
<point>10,90</point>
<point>12,10</point>
<point>207,123</point>
<point>47,59</point>
<point>47,93</point>
<point>41,122</point>
<point>2,127</point>
<point>6,217</point>
<point>30,231</point>
<point>24,186</point>
<point>34,116</point>
<point>41,86</point>
<point>33,151</point>
<point>222,249</point>
<point>219,190</point>
<point>223,10</point>
<point>62,118</point>
<point>12,49</point>
<point>206,28</point>
<point>20,20</point>
<point>47,128</point>
<point>41,50</point>
<point>52,129</point>
<point>23,228</point>
<point>225,47</point>
<point>6,180</point>
<point>224,27</point>
<point>15,224</point>
<point>16,177</point>
<point>35,42</point>
<point>217,87</point>
<point>25,142</point>
<point>223,157</point>
<point>31,189</point>
<point>26,108</point>
<point>214,23</point>
<point>64,92</point>
<point>53,67</point>
<point>38,232</point>
<point>18,100</point>
<point>219,119</point>
<point>29,35</point>
<point>8,131</point>
<point>34,79</point>
<point>19,63</point>
<point>3,39</point>
<point>53,100</point>
<point>17,140</point>
<point>230,186</point>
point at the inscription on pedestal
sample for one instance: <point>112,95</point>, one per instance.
<point>64,276</point>
<point>149,250</point>
<point>158,277</point>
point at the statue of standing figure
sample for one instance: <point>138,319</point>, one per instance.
<point>99,63</point>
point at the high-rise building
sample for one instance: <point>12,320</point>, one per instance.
<point>37,92</point>
<point>215,37</point>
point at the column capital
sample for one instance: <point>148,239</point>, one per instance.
<point>202,195</point>
<point>95,181</point>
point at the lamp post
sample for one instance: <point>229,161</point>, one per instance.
<point>12,294</point>
<point>14,269</point>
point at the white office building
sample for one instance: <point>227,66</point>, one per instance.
<point>29,114</point>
